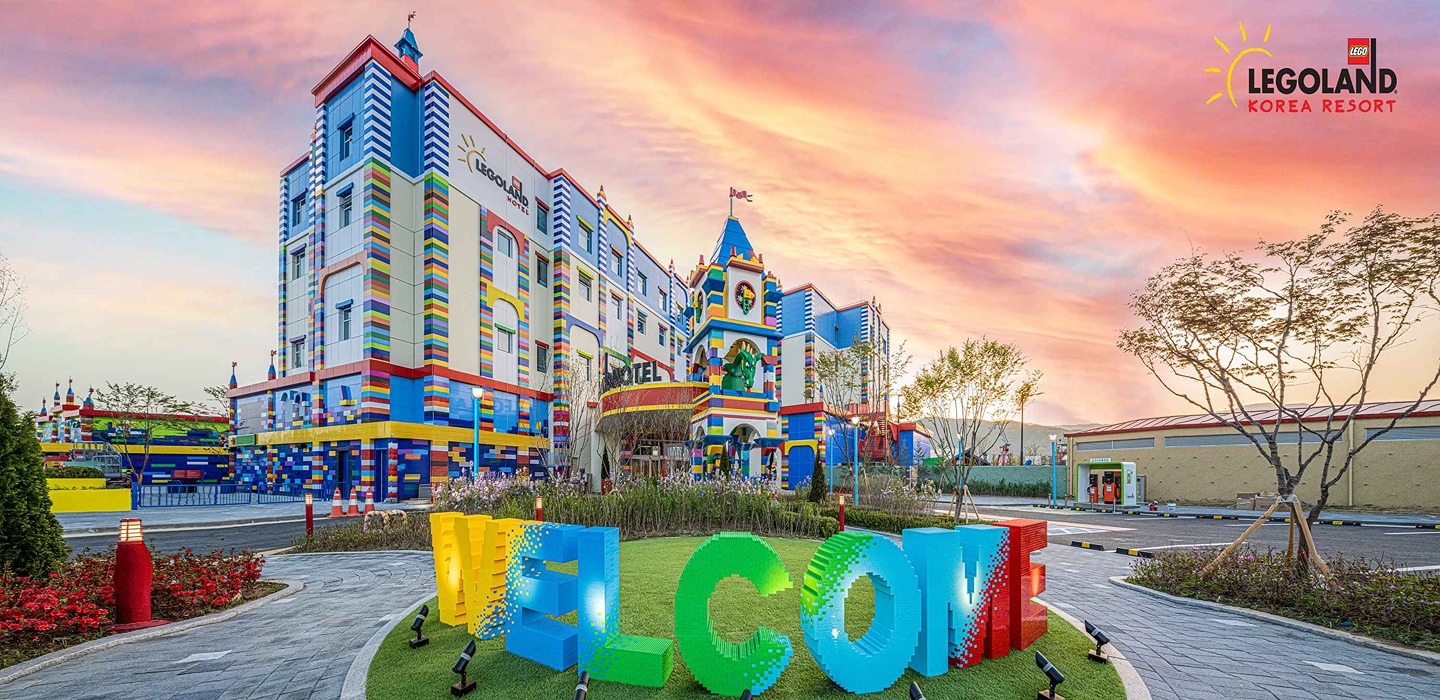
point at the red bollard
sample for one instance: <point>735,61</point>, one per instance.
<point>309,515</point>
<point>842,512</point>
<point>539,509</point>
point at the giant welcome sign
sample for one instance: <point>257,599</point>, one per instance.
<point>950,597</point>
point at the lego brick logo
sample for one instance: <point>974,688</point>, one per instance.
<point>1359,52</point>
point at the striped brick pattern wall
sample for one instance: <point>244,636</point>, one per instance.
<point>281,341</point>
<point>376,106</point>
<point>561,215</point>
<point>435,128</point>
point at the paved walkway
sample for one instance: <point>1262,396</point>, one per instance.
<point>1189,652</point>
<point>1357,516</point>
<point>201,516</point>
<point>296,648</point>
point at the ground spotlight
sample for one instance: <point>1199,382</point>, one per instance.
<point>583,687</point>
<point>464,685</point>
<point>1101,639</point>
<point>915,693</point>
<point>420,639</point>
<point>1053,674</point>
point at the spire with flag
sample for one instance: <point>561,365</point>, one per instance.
<point>738,194</point>
<point>233,382</point>
<point>271,372</point>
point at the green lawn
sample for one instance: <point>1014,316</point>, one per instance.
<point>649,571</point>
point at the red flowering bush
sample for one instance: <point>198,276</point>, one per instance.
<point>77,602</point>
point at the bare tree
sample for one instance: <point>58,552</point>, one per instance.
<point>858,380</point>
<point>12,310</point>
<point>1283,349</point>
<point>629,423</point>
<point>581,395</point>
<point>965,396</point>
<point>141,413</point>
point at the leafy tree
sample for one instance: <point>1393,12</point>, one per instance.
<point>1027,392</point>
<point>965,396</point>
<point>1288,344</point>
<point>142,413</point>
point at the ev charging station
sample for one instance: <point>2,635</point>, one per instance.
<point>1105,483</point>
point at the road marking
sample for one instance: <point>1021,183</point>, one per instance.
<point>1414,532</point>
<point>1335,668</point>
<point>1177,546</point>
<point>1421,568</point>
<point>205,656</point>
<point>1233,623</point>
<point>161,528</point>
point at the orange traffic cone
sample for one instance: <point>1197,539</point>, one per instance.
<point>354,509</point>
<point>336,509</point>
<point>369,501</point>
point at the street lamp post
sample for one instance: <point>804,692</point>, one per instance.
<point>478,393</point>
<point>1054,471</point>
<point>829,461</point>
<point>855,442</point>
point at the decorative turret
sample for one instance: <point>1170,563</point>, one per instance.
<point>233,383</point>
<point>408,48</point>
<point>43,413</point>
<point>271,373</point>
<point>56,400</point>
<point>90,398</point>
<point>70,391</point>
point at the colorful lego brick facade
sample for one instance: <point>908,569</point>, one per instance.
<point>425,259</point>
<point>162,448</point>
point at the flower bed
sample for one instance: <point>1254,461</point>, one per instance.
<point>1362,597</point>
<point>39,615</point>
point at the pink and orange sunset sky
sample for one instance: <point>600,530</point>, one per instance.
<point>996,168</point>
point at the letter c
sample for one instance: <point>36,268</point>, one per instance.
<point>724,668</point>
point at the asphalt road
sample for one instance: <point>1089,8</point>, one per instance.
<point>1400,546</point>
<point>256,537</point>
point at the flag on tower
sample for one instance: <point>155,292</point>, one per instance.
<point>740,194</point>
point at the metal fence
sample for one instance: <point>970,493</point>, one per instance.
<point>167,495</point>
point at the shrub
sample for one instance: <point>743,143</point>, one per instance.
<point>33,543</point>
<point>69,472</point>
<point>381,530</point>
<point>881,521</point>
<point>1370,598</point>
<point>74,603</point>
<point>1004,488</point>
<point>640,506</point>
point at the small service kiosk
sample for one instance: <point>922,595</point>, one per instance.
<point>1105,483</point>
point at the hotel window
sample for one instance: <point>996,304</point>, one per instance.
<point>297,264</point>
<point>542,219</point>
<point>662,300</point>
<point>347,209</point>
<point>542,271</point>
<point>589,235</point>
<point>297,353</point>
<point>347,138</point>
<point>589,363</point>
<point>587,287</point>
<point>297,207</point>
<point>640,319</point>
<point>505,244</point>
<point>345,323</point>
<point>617,263</point>
<point>505,339</point>
<point>542,358</point>
<point>661,333</point>
<point>644,283</point>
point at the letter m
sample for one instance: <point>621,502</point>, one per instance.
<point>964,595</point>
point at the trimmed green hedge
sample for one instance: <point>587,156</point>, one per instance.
<point>880,521</point>
<point>68,472</point>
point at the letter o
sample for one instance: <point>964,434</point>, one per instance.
<point>874,662</point>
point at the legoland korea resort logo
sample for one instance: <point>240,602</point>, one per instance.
<point>474,159</point>
<point>1356,84</point>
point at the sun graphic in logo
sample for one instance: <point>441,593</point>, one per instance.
<point>1230,74</point>
<point>468,152</point>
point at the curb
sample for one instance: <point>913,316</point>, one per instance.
<point>1135,688</point>
<point>54,658</point>
<point>1356,639</point>
<point>359,674</point>
<point>1136,553</point>
<point>1247,516</point>
<point>169,527</point>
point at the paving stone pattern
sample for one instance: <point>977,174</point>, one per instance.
<point>295,648</point>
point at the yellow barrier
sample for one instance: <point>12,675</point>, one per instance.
<point>72,484</point>
<point>89,500</point>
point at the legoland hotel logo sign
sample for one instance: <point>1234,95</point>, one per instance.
<point>1355,85</point>
<point>946,598</point>
<point>474,159</point>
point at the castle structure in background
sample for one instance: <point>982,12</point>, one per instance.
<point>181,448</point>
<point>438,288</point>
